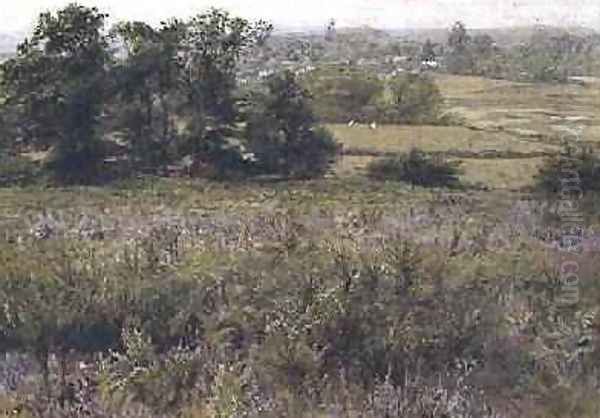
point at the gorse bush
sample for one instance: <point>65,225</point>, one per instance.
<point>416,168</point>
<point>278,316</point>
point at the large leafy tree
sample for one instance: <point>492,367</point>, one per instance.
<point>459,59</point>
<point>56,82</point>
<point>146,81</point>
<point>428,51</point>
<point>209,55</point>
<point>283,133</point>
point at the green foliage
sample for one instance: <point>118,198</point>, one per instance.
<point>172,95</point>
<point>411,99</point>
<point>139,374</point>
<point>56,83</point>
<point>542,61</point>
<point>213,43</point>
<point>459,58</point>
<point>184,74</point>
<point>343,94</point>
<point>145,86</point>
<point>282,131</point>
<point>416,168</point>
<point>282,313</point>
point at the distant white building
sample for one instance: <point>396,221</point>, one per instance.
<point>430,64</point>
<point>265,73</point>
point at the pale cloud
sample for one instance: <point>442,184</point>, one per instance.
<point>19,14</point>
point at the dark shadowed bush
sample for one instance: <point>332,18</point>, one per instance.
<point>283,133</point>
<point>17,170</point>
<point>574,171</point>
<point>416,168</point>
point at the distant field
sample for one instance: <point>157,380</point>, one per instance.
<point>502,118</point>
<point>500,173</point>
<point>394,138</point>
<point>524,109</point>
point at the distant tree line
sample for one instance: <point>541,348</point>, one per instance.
<point>546,56</point>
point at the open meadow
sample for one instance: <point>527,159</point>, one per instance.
<point>505,129</point>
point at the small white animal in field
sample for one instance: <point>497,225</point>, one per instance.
<point>351,123</point>
<point>373,125</point>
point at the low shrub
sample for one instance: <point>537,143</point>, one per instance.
<point>17,170</point>
<point>411,99</point>
<point>573,171</point>
<point>416,168</point>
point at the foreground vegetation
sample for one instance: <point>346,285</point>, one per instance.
<point>308,302</point>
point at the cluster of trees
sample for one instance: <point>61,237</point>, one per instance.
<point>554,58</point>
<point>342,94</point>
<point>150,96</point>
<point>464,53</point>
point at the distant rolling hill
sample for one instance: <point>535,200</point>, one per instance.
<point>504,37</point>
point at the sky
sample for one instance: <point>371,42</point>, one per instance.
<point>19,15</point>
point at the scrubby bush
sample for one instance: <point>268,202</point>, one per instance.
<point>164,383</point>
<point>278,317</point>
<point>417,399</point>
<point>16,170</point>
<point>574,171</point>
<point>283,134</point>
<point>411,99</point>
<point>342,94</point>
<point>416,168</point>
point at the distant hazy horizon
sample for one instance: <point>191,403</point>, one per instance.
<point>18,16</point>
